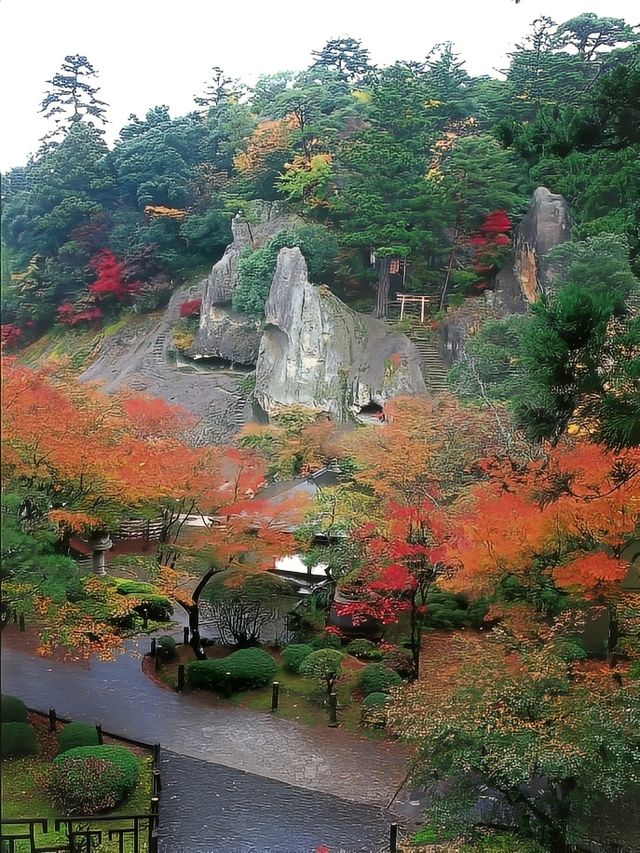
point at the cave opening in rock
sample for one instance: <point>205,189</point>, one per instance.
<point>371,409</point>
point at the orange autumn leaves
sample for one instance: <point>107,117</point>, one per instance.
<point>566,517</point>
<point>100,458</point>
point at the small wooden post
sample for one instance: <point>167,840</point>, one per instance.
<point>402,307</point>
<point>153,646</point>
<point>99,730</point>
<point>275,695</point>
<point>157,664</point>
<point>22,628</point>
<point>180,685</point>
<point>185,636</point>
<point>53,720</point>
<point>145,618</point>
<point>15,615</point>
<point>422,310</point>
<point>333,709</point>
<point>153,825</point>
<point>393,838</point>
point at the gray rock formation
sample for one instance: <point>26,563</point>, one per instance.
<point>317,352</point>
<point>527,271</point>
<point>218,287</point>
<point>229,335</point>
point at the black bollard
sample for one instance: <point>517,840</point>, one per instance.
<point>145,618</point>
<point>53,720</point>
<point>156,664</point>
<point>22,628</point>
<point>185,636</point>
<point>153,646</point>
<point>275,695</point>
<point>393,838</point>
<point>99,731</point>
<point>333,709</point>
<point>15,615</point>
<point>180,685</point>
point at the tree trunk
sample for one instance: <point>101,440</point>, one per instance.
<point>416,639</point>
<point>384,285</point>
<point>193,612</point>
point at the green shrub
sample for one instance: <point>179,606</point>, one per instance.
<point>158,607</point>
<point>374,711</point>
<point>374,699</point>
<point>251,668</point>
<point>325,665</point>
<point>13,710</point>
<point>364,649</point>
<point>166,649</point>
<point>448,611</point>
<point>18,739</point>
<point>242,670</point>
<point>377,678</point>
<point>400,660</point>
<point>504,842</point>
<point>77,734</point>
<point>293,656</point>
<point>326,640</point>
<point>91,779</point>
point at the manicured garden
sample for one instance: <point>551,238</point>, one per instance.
<point>361,674</point>
<point>69,773</point>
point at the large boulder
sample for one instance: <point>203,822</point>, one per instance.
<point>228,335</point>
<point>528,272</point>
<point>316,352</point>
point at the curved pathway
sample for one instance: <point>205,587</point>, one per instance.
<point>334,785</point>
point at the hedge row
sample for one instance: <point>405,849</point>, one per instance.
<point>242,670</point>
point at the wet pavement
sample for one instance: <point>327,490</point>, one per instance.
<point>212,809</point>
<point>119,695</point>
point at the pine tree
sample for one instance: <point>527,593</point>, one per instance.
<point>71,98</point>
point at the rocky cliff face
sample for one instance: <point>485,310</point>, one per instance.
<point>221,332</point>
<point>527,272</point>
<point>317,352</point>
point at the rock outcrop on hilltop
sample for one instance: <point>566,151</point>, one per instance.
<point>528,272</point>
<point>222,333</point>
<point>317,352</point>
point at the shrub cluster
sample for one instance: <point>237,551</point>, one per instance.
<point>12,710</point>
<point>326,640</point>
<point>243,670</point>
<point>448,611</point>
<point>17,739</point>
<point>166,649</point>
<point>92,779</point>
<point>374,712</point>
<point>364,649</point>
<point>294,655</point>
<point>158,607</point>
<point>77,734</point>
<point>400,660</point>
<point>377,678</point>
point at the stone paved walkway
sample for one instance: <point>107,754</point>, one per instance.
<point>240,780</point>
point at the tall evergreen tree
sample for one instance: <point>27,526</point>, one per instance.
<point>71,98</point>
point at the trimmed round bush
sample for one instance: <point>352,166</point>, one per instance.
<point>294,655</point>
<point>326,641</point>
<point>166,649</point>
<point>158,607</point>
<point>377,678</point>
<point>13,710</point>
<point>92,779</point>
<point>17,739</point>
<point>243,670</point>
<point>375,699</point>
<point>77,734</point>
<point>364,649</point>
<point>251,668</point>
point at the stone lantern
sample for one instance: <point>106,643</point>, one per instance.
<point>100,542</point>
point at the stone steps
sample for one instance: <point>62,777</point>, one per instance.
<point>434,369</point>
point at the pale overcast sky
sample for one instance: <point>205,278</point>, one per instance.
<point>150,52</point>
